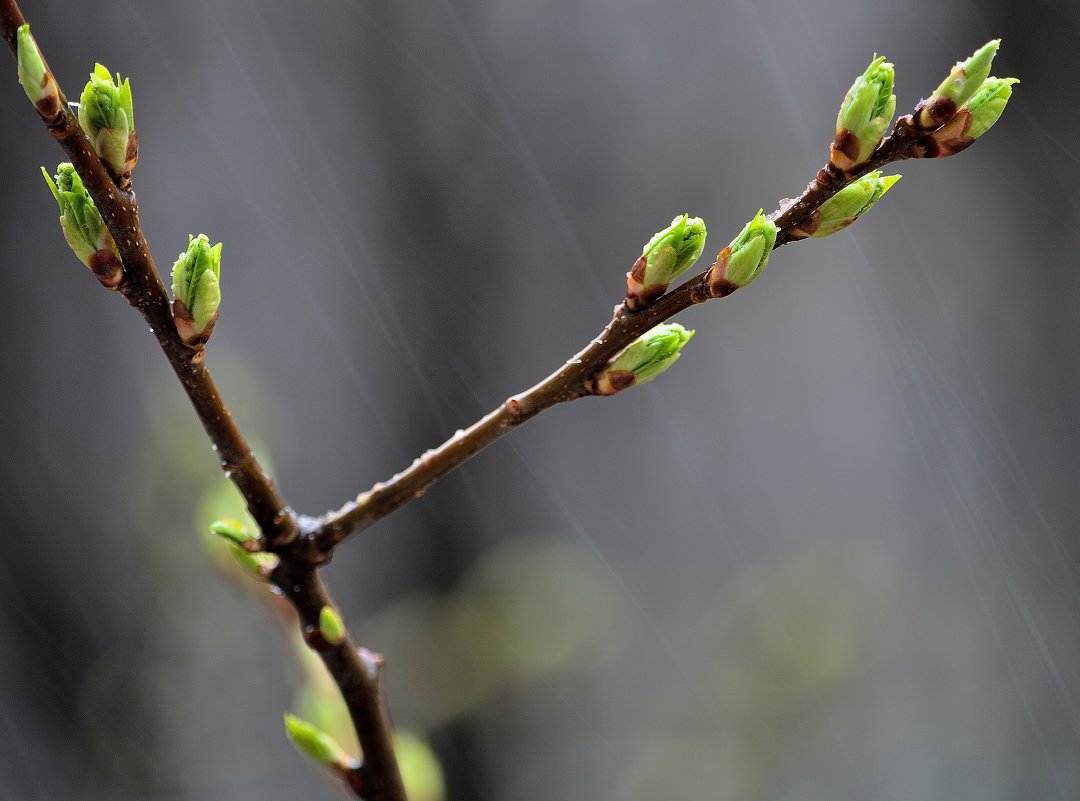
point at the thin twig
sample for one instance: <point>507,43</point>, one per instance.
<point>358,675</point>
<point>569,382</point>
<point>144,290</point>
<point>356,672</point>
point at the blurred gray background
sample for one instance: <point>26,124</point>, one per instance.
<point>831,555</point>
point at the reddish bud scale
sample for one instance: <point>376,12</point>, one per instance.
<point>107,268</point>
<point>49,106</point>
<point>844,151</point>
<point>717,284</point>
<point>131,158</point>
<point>637,295</point>
<point>948,140</point>
<point>807,227</point>
<point>932,114</point>
<point>186,328</point>
<point>611,381</point>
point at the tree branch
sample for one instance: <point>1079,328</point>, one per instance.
<point>143,289</point>
<point>302,546</point>
<point>358,675</point>
<point>570,381</point>
<point>356,672</point>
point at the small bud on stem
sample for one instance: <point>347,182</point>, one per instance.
<point>197,291</point>
<point>864,115</point>
<point>846,206</point>
<point>963,81</point>
<point>259,564</point>
<point>665,257</point>
<point>233,532</point>
<point>743,259</point>
<point>107,118</point>
<point>36,77</point>
<point>331,626</point>
<point>971,121</point>
<point>83,227</point>
<point>317,745</point>
<point>642,360</point>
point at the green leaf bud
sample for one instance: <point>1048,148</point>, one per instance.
<point>664,258</point>
<point>36,78</point>
<point>982,110</point>
<point>642,360</point>
<point>864,115</point>
<point>196,288</point>
<point>962,83</point>
<point>846,206</point>
<point>743,259</point>
<point>988,103</point>
<point>83,227</point>
<point>317,745</point>
<point>259,564</point>
<point>107,118</point>
<point>331,626</point>
<point>233,531</point>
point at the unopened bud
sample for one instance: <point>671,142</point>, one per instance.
<point>642,360</point>
<point>83,227</point>
<point>988,103</point>
<point>259,564</point>
<point>664,258</point>
<point>983,109</point>
<point>846,206</point>
<point>864,115</point>
<point>963,81</point>
<point>35,76</point>
<point>197,291</point>
<point>107,118</point>
<point>743,259</point>
<point>331,626</point>
<point>317,745</point>
<point>233,531</point>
